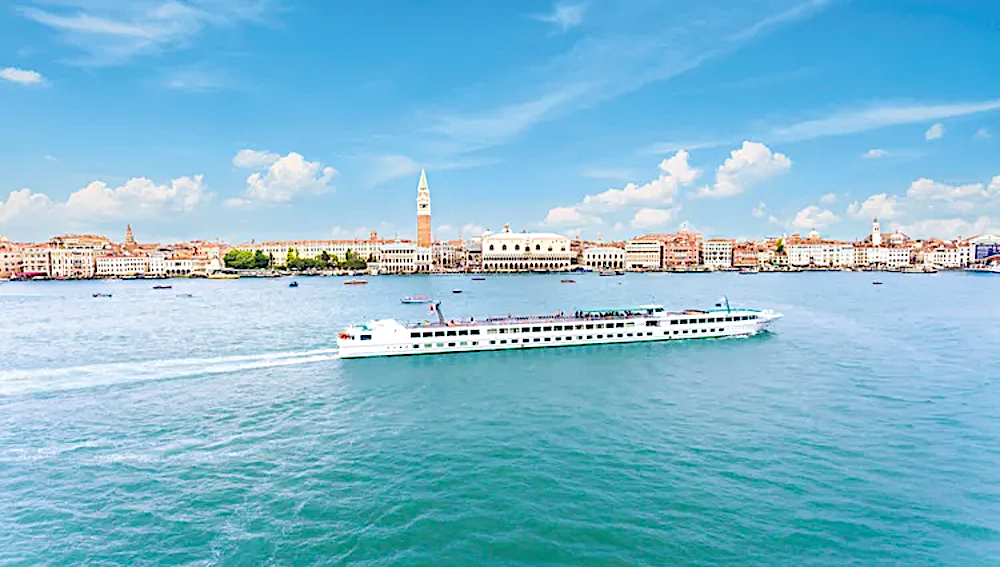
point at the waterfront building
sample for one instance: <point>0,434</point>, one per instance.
<point>815,252</point>
<point>399,257</point>
<point>746,254</point>
<point>945,256</point>
<point>604,257</point>
<point>121,266</point>
<point>446,254</point>
<point>881,256</point>
<point>38,260</point>
<point>423,212</point>
<point>981,249</point>
<point>277,250</point>
<point>11,258</point>
<point>72,263</point>
<point>644,254</point>
<point>508,251</point>
<point>679,250</point>
<point>717,253</point>
<point>87,241</point>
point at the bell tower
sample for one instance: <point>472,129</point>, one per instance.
<point>423,212</point>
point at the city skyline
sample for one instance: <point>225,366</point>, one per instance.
<point>277,120</point>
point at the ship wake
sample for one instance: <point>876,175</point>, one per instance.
<point>39,380</point>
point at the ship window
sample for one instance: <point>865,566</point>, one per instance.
<point>491,331</point>
<point>536,329</point>
<point>652,323</point>
<point>428,334</point>
<point>548,339</point>
<point>503,331</point>
<point>525,329</point>
<point>475,343</point>
<point>546,329</point>
<point>474,332</point>
<point>628,334</point>
<point>514,341</point>
<point>451,333</point>
<point>558,338</point>
<point>416,346</point>
<point>414,335</point>
<point>557,328</point>
<point>463,333</point>
<point>649,334</point>
<point>503,342</point>
<point>620,335</point>
<point>366,337</point>
<point>439,334</point>
<point>675,332</point>
<point>674,322</point>
<point>620,325</point>
<point>440,345</point>
<point>590,326</point>
<point>463,343</point>
<point>589,337</point>
<point>451,344</point>
<point>493,342</point>
<point>630,325</point>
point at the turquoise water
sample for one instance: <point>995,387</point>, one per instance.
<point>221,429</point>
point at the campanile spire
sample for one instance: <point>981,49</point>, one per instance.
<point>423,211</point>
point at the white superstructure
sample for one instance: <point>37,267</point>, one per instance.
<point>389,337</point>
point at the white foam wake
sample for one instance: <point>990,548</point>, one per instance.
<point>28,381</point>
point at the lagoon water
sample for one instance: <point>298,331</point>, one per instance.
<point>151,428</point>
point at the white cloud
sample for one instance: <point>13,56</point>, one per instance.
<point>935,132</point>
<point>674,172</point>
<point>385,168</point>
<point>21,76</point>
<point>982,134</point>
<point>569,216</point>
<point>928,189</point>
<point>759,211</point>
<point>773,220</point>
<point>50,157</point>
<point>254,159</point>
<point>877,206</point>
<point>875,153</point>
<point>24,203</point>
<point>853,121</point>
<point>619,226</point>
<point>471,230</point>
<point>748,165</point>
<point>281,178</point>
<point>950,227</point>
<point>113,32</point>
<point>651,218</point>
<point>814,217</point>
<point>563,16</point>
<point>828,199</point>
<point>138,197</point>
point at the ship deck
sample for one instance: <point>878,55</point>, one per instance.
<point>559,317</point>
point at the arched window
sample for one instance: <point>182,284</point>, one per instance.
<point>550,249</point>
<point>504,248</point>
<point>517,247</point>
<point>538,247</point>
<point>491,247</point>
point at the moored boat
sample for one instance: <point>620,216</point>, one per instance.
<point>293,284</point>
<point>612,272</point>
<point>647,323</point>
<point>567,281</point>
<point>355,282</point>
<point>163,287</point>
<point>478,279</point>
<point>416,299</point>
<point>102,295</point>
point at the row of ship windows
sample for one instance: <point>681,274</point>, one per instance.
<point>568,339</point>
<point>579,327</point>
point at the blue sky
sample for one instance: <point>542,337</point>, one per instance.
<point>266,119</point>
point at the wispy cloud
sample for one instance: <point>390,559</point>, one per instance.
<point>982,134</point>
<point>935,132</point>
<point>388,167</point>
<point>863,120</point>
<point>875,153</point>
<point>563,16</point>
<point>114,31</point>
<point>607,173</point>
<point>197,79</point>
<point>606,65</point>
<point>21,76</point>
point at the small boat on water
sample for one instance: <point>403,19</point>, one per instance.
<point>293,284</point>
<point>184,295</point>
<point>163,287</point>
<point>102,295</point>
<point>456,290</point>
<point>355,282</point>
<point>416,299</point>
<point>567,281</point>
<point>612,272</point>
<point>223,276</point>
<point>991,269</point>
<point>876,282</point>
<point>749,271</point>
<point>478,279</point>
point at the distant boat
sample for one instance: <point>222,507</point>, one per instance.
<point>612,273</point>
<point>184,295</point>
<point>416,299</point>
<point>102,295</point>
<point>293,284</point>
<point>567,281</point>
<point>355,282</point>
<point>478,279</point>
<point>223,276</point>
<point>876,282</point>
<point>162,286</point>
<point>748,271</point>
<point>993,269</point>
<point>456,290</point>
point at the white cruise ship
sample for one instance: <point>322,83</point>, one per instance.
<point>389,337</point>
